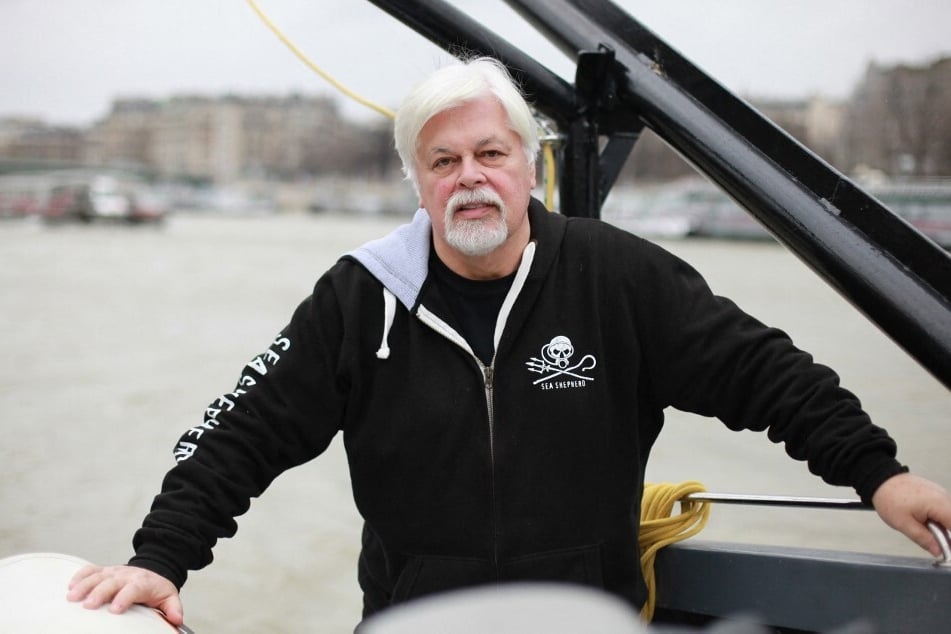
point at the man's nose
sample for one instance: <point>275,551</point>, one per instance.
<point>471,173</point>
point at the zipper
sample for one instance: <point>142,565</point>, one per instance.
<point>488,374</point>
<point>488,377</point>
<point>444,329</point>
<point>434,322</point>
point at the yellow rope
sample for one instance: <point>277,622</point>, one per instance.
<point>548,161</point>
<point>549,156</point>
<point>659,528</point>
<point>386,112</point>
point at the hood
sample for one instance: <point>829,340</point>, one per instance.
<point>400,259</point>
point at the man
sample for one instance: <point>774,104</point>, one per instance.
<point>499,374</point>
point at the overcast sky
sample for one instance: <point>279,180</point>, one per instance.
<point>66,60</point>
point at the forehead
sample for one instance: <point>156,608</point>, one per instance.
<point>474,123</point>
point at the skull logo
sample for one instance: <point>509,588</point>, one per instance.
<point>558,351</point>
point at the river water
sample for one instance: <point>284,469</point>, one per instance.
<point>115,338</point>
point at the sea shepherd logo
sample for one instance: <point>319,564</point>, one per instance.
<point>558,371</point>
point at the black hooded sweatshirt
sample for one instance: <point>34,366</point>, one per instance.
<point>528,468</point>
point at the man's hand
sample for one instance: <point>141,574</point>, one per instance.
<point>906,502</point>
<point>122,586</point>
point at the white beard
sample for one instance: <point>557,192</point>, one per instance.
<point>479,236</point>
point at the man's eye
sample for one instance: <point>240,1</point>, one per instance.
<point>442,163</point>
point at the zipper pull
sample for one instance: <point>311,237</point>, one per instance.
<point>487,373</point>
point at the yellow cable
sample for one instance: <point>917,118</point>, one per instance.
<point>548,160</point>
<point>386,112</point>
<point>659,528</point>
<point>549,156</point>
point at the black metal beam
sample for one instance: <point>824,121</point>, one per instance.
<point>460,35</point>
<point>590,167</point>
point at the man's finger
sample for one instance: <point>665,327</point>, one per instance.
<point>79,580</point>
<point>102,593</point>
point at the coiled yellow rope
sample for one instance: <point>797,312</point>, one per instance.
<point>659,528</point>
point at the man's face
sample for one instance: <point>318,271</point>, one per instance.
<point>474,178</point>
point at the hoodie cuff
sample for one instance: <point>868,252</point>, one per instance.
<point>869,483</point>
<point>177,577</point>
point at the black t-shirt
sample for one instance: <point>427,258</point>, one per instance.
<point>474,303</point>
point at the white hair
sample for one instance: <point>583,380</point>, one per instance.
<point>451,87</point>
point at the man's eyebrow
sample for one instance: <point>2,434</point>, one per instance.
<point>493,139</point>
<point>441,149</point>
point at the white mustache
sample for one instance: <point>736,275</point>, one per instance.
<point>481,196</point>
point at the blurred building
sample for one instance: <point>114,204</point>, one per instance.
<point>222,139</point>
<point>30,140</point>
<point>815,122</point>
<point>124,136</point>
<point>895,123</point>
<point>898,121</point>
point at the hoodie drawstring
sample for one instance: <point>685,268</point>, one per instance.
<point>389,312</point>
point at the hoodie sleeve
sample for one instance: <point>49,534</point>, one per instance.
<point>284,410</point>
<point>714,359</point>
